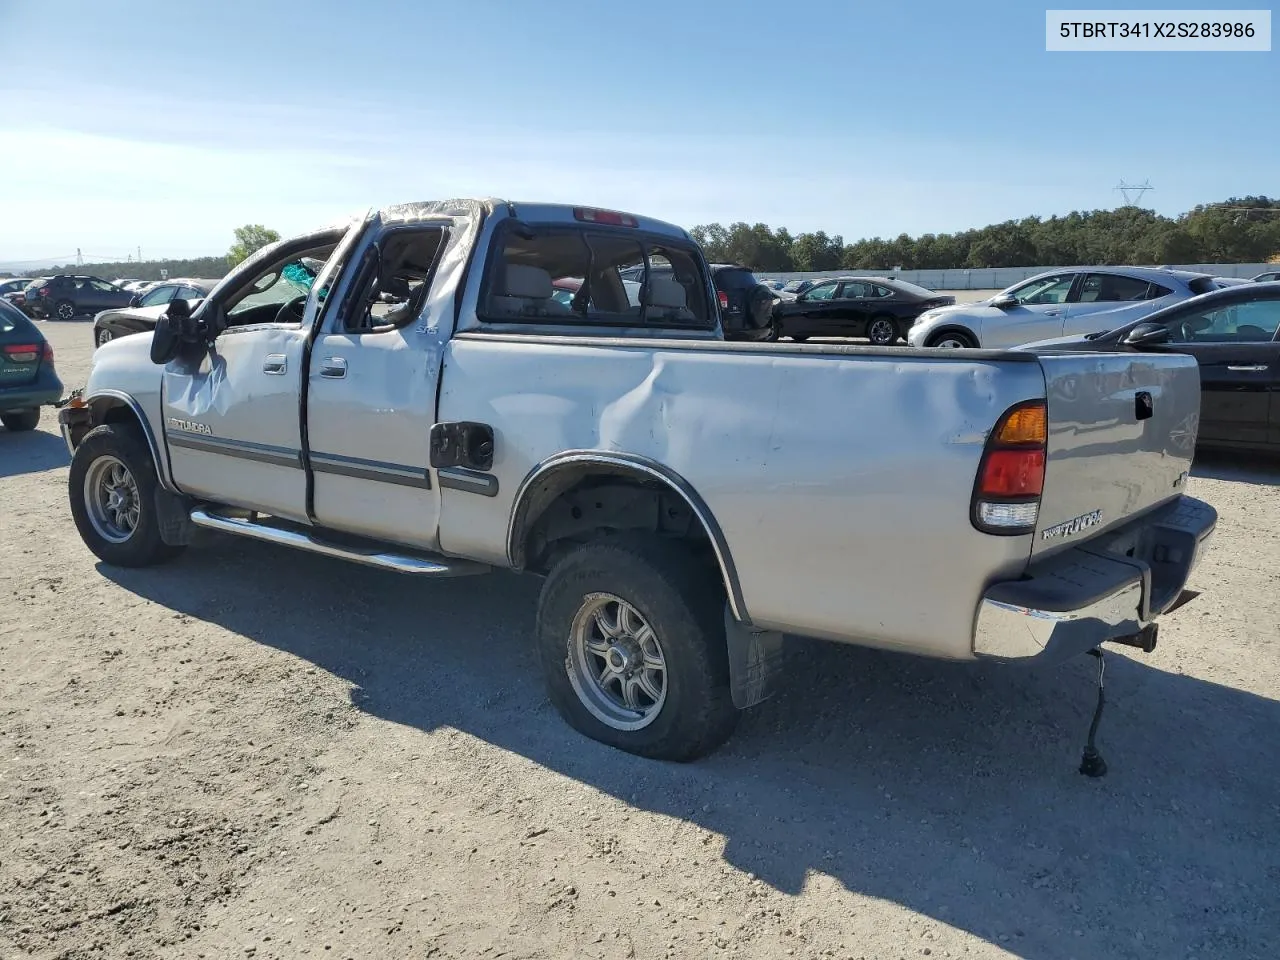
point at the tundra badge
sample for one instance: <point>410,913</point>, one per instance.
<point>190,426</point>
<point>1072,527</point>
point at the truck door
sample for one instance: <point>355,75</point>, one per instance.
<point>372,383</point>
<point>231,417</point>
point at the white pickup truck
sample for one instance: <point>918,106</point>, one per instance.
<point>445,388</point>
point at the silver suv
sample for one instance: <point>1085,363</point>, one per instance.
<point>1069,301</point>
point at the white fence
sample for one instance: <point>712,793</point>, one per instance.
<point>1000,277</point>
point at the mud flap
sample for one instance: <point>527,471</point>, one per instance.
<point>756,659</point>
<point>174,514</point>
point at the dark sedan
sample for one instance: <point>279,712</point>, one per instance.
<point>145,309</point>
<point>879,309</point>
<point>28,380</point>
<point>1234,334</point>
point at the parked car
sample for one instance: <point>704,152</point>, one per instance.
<point>1071,300</point>
<point>1268,277</point>
<point>879,309</point>
<point>18,296</point>
<point>144,309</point>
<point>125,283</point>
<point>28,379</point>
<point>65,297</point>
<point>14,285</point>
<point>1234,334</point>
<point>686,500</point>
<point>797,287</point>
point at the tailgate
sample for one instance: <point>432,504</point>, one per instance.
<point>1111,454</point>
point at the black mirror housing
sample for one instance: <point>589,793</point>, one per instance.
<point>1004,302</point>
<point>1145,333</point>
<point>135,300</point>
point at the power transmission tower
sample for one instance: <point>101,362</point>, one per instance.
<point>79,258</point>
<point>1132,192</point>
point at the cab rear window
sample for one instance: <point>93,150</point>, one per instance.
<point>593,276</point>
<point>735,279</point>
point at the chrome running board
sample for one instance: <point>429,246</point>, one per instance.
<point>373,554</point>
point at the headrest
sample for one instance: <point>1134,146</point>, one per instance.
<point>532,283</point>
<point>665,294</point>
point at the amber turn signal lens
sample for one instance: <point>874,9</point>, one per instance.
<point>1026,424</point>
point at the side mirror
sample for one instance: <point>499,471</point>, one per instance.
<point>164,342</point>
<point>135,300</point>
<point>1004,301</point>
<point>1146,333</point>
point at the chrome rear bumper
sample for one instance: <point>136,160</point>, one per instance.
<point>1110,587</point>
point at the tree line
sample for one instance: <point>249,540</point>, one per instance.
<point>248,239</point>
<point>1239,230</point>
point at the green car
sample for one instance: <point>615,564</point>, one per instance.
<point>28,380</point>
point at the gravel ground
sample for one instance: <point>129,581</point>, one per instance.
<point>258,753</point>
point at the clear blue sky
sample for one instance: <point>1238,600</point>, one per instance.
<point>147,123</point>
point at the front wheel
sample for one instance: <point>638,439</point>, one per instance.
<point>882,331</point>
<point>953,340</point>
<point>630,635</point>
<point>21,420</point>
<point>104,336</point>
<point>113,498</point>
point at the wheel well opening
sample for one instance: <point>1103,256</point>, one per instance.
<point>572,506</point>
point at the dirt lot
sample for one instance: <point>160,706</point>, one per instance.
<point>257,753</point>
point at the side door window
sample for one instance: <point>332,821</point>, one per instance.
<point>1252,322</point>
<point>158,296</point>
<point>1111,288</point>
<point>856,290</point>
<point>1047,291</point>
<point>822,292</point>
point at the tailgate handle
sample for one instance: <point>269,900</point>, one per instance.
<point>1144,406</point>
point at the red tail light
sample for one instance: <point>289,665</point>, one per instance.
<point>42,292</point>
<point>723,298</point>
<point>22,352</point>
<point>48,352</point>
<point>1012,473</point>
<point>1010,482</point>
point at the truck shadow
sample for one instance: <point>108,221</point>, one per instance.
<point>31,451</point>
<point>1259,469</point>
<point>948,788</point>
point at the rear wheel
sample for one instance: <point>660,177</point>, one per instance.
<point>20,420</point>
<point>630,634</point>
<point>953,340</point>
<point>64,310</point>
<point>113,497</point>
<point>882,330</point>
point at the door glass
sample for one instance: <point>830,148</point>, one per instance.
<point>279,283</point>
<point>1044,290</point>
<point>103,287</point>
<point>396,282</point>
<point>158,296</point>
<point>824,291</point>
<point>1253,322</point>
<point>1111,288</point>
<point>855,290</point>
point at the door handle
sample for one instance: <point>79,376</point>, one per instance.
<point>1052,313</point>
<point>275,364</point>
<point>333,368</point>
<point>1251,368</point>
